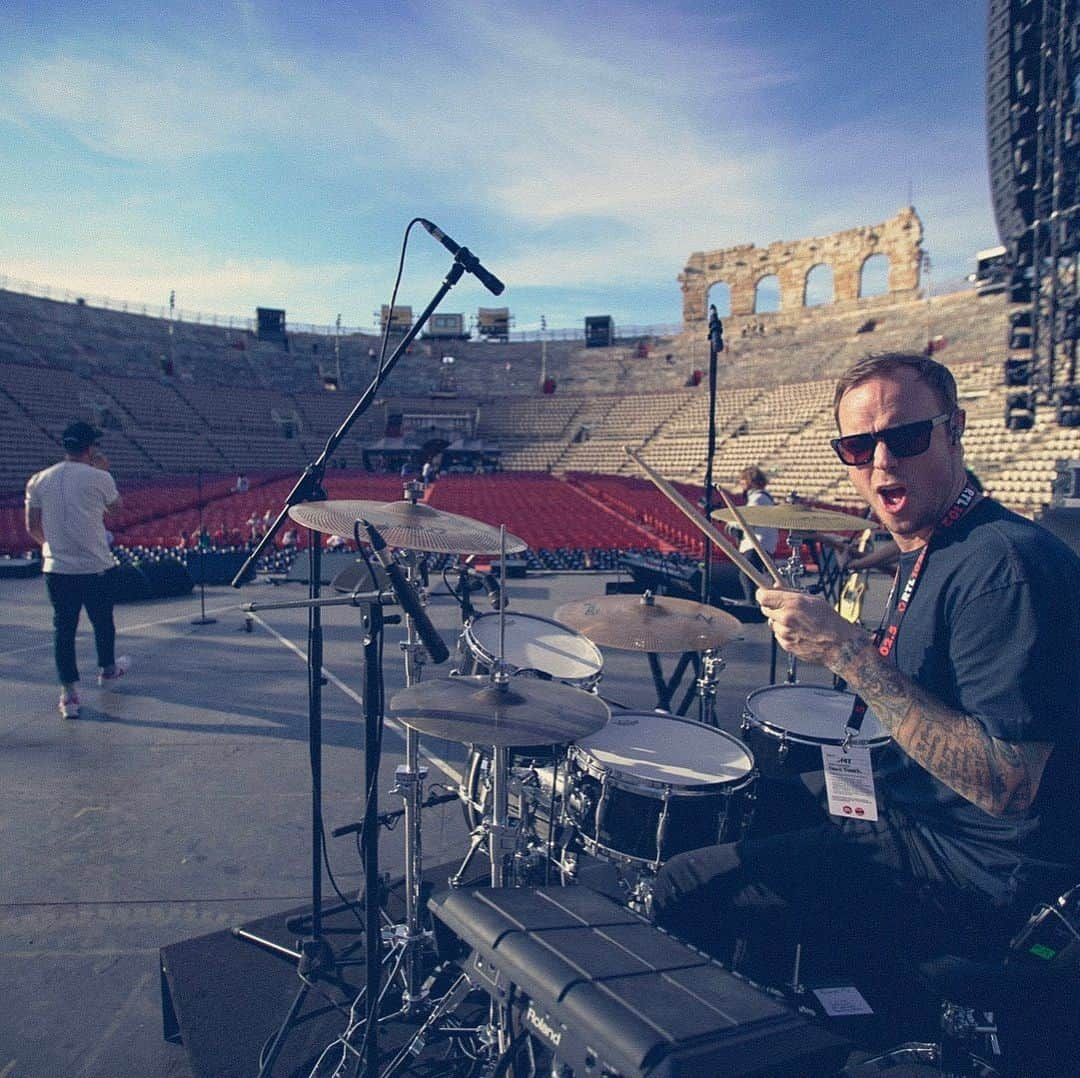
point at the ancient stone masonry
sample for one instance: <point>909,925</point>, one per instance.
<point>845,253</point>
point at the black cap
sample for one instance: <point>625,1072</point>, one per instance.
<point>78,436</point>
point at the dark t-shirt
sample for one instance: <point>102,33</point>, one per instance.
<point>992,631</point>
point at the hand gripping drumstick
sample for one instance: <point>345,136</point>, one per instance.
<point>766,559</point>
<point>704,525</point>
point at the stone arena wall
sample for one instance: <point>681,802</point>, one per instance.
<point>845,253</point>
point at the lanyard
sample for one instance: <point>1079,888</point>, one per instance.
<point>885,640</point>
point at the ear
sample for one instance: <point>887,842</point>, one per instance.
<point>956,426</point>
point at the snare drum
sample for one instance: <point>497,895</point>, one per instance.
<point>649,786</point>
<point>786,725</point>
<point>532,645</point>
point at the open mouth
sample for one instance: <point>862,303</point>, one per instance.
<point>893,497</point>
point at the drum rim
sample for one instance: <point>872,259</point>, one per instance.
<point>489,657</point>
<point>778,733</point>
<point>645,786</point>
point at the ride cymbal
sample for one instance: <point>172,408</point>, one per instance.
<point>796,518</point>
<point>478,711</point>
<point>649,622</point>
<point>407,525</point>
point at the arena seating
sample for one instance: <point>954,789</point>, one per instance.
<point>226,402</point>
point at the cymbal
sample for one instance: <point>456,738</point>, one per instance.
<point>407,525</point>
<point>796,518</point>
<point>477,711</point>
<point>649,622</point>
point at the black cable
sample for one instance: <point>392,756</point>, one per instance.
<point>393,298</point>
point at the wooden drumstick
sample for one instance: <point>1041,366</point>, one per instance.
<point>703,525</point>
<point>766,559</point>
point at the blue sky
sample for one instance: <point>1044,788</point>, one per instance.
<point>248,153</point>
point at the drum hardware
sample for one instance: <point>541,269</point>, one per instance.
<point>712,663</point>
<point>793,518</point>
<point>657,623</point>
<point>641,790</point>
<point>649,623</point>
<point>309,489</point>
<point>786,726</point>
<point>407,525</point>
<point>531,646</point>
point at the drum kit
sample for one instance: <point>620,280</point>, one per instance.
<point>555,772</point>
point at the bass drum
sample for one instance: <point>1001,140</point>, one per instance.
<point>786,726</point>
<point>648,786</point>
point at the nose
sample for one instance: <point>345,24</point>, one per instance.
<point>883,458</point>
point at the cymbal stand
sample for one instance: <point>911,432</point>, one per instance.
<point>409,778</point>
<point>712,662</point>
<point>316,952</point>
<point>792,571</point>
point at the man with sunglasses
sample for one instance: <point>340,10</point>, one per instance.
<point>974,674</point>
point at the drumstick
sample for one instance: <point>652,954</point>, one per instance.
<point>750,534</point>
<point>701,522</point>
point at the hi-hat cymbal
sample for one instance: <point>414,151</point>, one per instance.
<point>649,623</point>
<point>796,518</point>
<point>478,711</point>
<point>411,526</point>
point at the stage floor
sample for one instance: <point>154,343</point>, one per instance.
<point>179,804</point>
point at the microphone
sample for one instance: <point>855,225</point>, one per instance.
<point>716,329</point>
<point>406,596</point>
<point>495,592</point>
<point>466,258</point>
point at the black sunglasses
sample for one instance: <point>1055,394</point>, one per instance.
<point>907,440</point>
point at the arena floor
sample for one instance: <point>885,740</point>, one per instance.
<point>179,804</point>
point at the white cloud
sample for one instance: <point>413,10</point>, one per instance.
<point>525,118</point>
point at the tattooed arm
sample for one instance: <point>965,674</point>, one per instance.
<point>998,776</point>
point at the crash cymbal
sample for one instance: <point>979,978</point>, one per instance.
<point>407,525</point>
<point>521,711</point>
<point>796,518</point>
<point>649,622</point>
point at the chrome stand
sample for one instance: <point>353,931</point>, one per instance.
<point>712,663</point>
<point>410,938</point>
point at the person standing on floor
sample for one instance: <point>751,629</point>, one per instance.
<point>66,505</point>
<point>752,481</point>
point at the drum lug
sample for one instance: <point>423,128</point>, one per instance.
<point>745,724</point>
<point>661,824</point>
<point>782,751</point>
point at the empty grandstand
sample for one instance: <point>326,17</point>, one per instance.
<point>180,400</point>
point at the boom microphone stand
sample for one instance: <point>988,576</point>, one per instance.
<point>706,682</point>
<point>316,956</point>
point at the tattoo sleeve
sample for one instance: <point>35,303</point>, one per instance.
<point>998,776</point>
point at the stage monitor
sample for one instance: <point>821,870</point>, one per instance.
<point>270,324</point>
<point>599,331</point>
<point>493,323</point>
<point>400,318</point>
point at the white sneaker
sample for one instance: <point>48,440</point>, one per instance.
<point>69,705</point>
<point>120,668</point>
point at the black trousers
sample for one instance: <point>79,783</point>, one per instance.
<point>859,896</point>
<point>69,593</point>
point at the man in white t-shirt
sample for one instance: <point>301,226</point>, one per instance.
<point>65,513</point>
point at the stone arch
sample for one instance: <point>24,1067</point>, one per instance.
<point>819,287</point>
<point>719,294</point>
<point>768,294</point>
<point>874,275</point>
<point>899,238</point>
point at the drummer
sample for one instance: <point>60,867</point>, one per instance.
<point>973,673</point>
